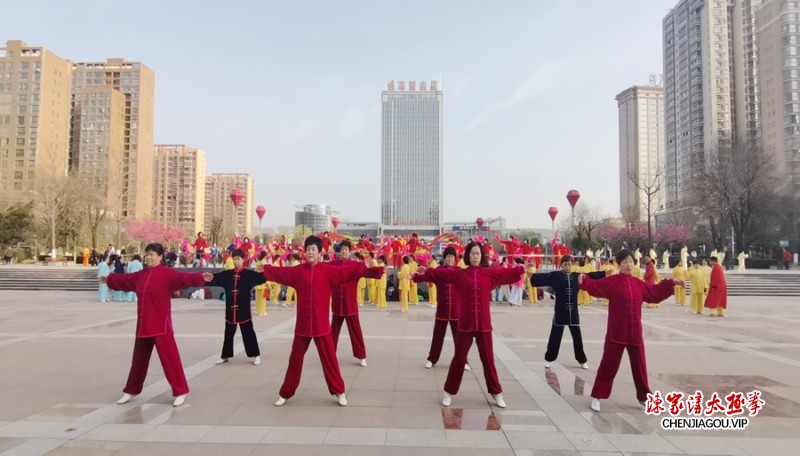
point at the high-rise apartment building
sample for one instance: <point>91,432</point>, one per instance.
<point>97,140</point>
<point>34,117</point>
<point>137,83</point>
<point>219,204</point>
<point>778,31</point>
<point>641,151</point>
<point>179,187</point>
<point>710,87</point>
<point>412,158</point>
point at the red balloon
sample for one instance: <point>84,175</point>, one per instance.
<point>553,211</point>
<point>236,196</point>
<point>573,196</point>
<point>335,221</point>
<point>260,211</point>
<point>479,222</point>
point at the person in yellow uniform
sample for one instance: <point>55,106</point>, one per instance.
<point>229,263</point>
<point>260,290</point>
<point>362,283</point>
<point>432,287</point>
<point>533,292</point>
<point>706,271</point>
<point>611,269</point>
<point>372,286</point>
<point>291,293</point>
<point>699,284</point>
<point>680,273</point>
<point>274,287</point>
<point>588,267</point>
<point>403,279</point>
<point>637,271</point>
<point>413,296</point>
<point>380,285</point>
<point>580,268</point>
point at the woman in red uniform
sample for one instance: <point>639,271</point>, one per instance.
<point>446,311</point>
<point>625,294</point>
<point>154,286</point>
<point>474,286</point>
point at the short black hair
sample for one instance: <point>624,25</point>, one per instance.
<point>469,249</point>
<point>346,243</point>
<point>567,259</point>
<point>622,255</point>
<point>137,257</point>
<point>405,260</point>
<point>714,259</point>
<point>239,253</point>
<point>450,251</point>
<point>154,247</point>
<point>313,240</point>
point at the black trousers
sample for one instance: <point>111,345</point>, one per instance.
<point>248,336</point>
<point>555,343</point>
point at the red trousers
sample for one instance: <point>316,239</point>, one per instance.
<point>463,343</point>
<point>170,361</point>
<point>327,356</point>
<point>609,365</point>
<point>439,330</point>
<point>356,337</point>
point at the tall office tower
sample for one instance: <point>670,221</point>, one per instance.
<point>97,140</point>
<point>710,87</point>
<point>34,117</point>
<point>778,30</point>
<point>412,158</point>
<point>219,204</point>
<point>179,187</point>
<point>137,83</point>
<point>641,150</point>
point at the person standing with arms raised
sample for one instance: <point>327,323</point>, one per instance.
<point>474,286</point>
<point>313,281</point>
<point>625,294</point>
<point>154,286</point>
<point>345,304</point>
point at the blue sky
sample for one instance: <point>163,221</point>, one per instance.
<point>290,91</point>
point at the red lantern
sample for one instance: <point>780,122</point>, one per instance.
<point>573,196</point>
<point>335,221</point>
<point>260,211</point>
<point>479,222</point>
<point>553,212</point>
<point>236,197</point>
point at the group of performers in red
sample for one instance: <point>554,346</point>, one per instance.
<point>464,295</point>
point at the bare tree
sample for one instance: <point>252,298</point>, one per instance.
<point>215,230</point>
<point>650,186</point>
<point>56,203</point>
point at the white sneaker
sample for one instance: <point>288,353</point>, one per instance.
<point>342,399</point>
<point>498,399</point>
<point>428,364</point>
<point>257,361</point>
<point>585,366</point>
<point>363,362</point>
<point>280,401</point>
<point>547,364</point>
<point>596,404</point>
<point>179,400</point>
<point>125,398</point>
<point>467,368</point>
<point>222,361</point>
<point>447,399</point>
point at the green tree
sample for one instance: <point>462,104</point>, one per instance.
<point>16,223</point>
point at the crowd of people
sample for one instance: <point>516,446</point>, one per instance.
<point>329,278</point>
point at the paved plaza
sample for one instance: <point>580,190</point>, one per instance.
<point>65,358</point>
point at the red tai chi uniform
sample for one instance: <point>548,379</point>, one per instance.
<point>313,284</point>
<point>446,314</point>
<point>345,308</point>
<point>154,287</point>
<point>474,286</point>
<point>625,295</point>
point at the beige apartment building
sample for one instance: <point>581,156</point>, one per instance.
<point>778,31</point>
<point>97,141</point>
<point>219,205</point>
<point>34,117</point>
<point>179,186</point>
<point>136,82</point>
<point>641,150</point>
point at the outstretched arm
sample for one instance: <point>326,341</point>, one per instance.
<point>542,280</point>
<point>181,280</point>
<point>121,282</point>
<point>660,291</point>
<point>279,274</point>
<point>595,287</point>
<point>505,276</point>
